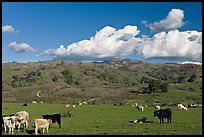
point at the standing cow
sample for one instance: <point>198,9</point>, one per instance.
<point>54,118</point>
<point>163,113</point>
<point>22,118</point>
<point>9,123</point>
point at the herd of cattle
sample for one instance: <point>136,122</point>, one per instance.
<point>19,120</point>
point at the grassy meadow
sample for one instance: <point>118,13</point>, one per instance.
<point>110,120</point>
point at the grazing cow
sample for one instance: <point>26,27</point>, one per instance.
<point>22,118</point>
<point>67,105</point>
<point>9,122</point>
<point>85,103</point>
<point>140,120</point>
<point>182,107</point>
<point>140,107</point>
<point>34,102</point>
<point>42,123</point>
<point>54,117</point>
<point>163,113</point>
<point>25,104</point>
<point>80,103</point>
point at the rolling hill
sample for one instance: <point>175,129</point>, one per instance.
<point>113,81</point>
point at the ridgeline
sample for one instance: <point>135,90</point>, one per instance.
<point>115,81</point>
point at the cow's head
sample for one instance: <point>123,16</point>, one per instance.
<point>50,121</point>
<point>144,118</point>
<point>156,113</point>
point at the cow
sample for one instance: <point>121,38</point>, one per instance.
<point>163,113</point>
<point>140,107</point>
<point>40,123</point>
<point>182,107</point>
<point>140,120</point>
<point>34,102</point>
<point>9,122</point>
<point>54,118</point>
<point>22,118</point>
<point>25,104</point>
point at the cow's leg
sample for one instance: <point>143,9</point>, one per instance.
<point>26,125</point>
<point>47,129</point>
<point>5,129</point>
<point>59,123</point>
<point>9,130</point>
<point>12,130</point>
<point>162,120</point>
<point>19,126</point>
<point>43,130</point>
<point>36,130</point>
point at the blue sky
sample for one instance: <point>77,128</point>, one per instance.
<point>33,31</point>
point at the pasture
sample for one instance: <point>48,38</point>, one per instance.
<point>110,120</point>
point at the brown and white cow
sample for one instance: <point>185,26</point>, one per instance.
<point>22,119</point>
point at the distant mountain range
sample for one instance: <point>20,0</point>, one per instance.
<point>118,61</point>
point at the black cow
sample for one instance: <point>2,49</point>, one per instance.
<point>140,120</point>
<point>163,113</point>
<point>25,104</point>
<point>54,117</point>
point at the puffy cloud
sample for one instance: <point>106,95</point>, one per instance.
<point>186,44</point>
<point>107,43</point>
<point>173,20</point>
<point>21,48</point>
<point>8,29</point>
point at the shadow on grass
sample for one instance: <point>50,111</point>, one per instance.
<point>31,132</point>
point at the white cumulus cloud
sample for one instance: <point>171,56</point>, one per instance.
<point>173,20</point>
<point>186,44</point>
<point>107,43</point>
<point>21,48</point>
<point>8,28</point>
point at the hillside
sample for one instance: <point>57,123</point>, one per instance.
<point>110,82</point>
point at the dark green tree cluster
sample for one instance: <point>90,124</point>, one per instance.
<point>156,86</point>
<point>68,76</point>
<point>192,78</point>
<point>26,80</point>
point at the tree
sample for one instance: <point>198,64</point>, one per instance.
<point>192,78</point>
<point>154,85</point>
<point>68,76</point>
<point>164,87</point>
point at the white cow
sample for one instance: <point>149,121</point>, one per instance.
<point>9,123</point>
<point>80,103</point>
<point>42,124</point>
<point>85,103</point>
<point>182,107</point>
<point>34,102</point>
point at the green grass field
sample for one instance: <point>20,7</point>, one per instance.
<point>111,120</point>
